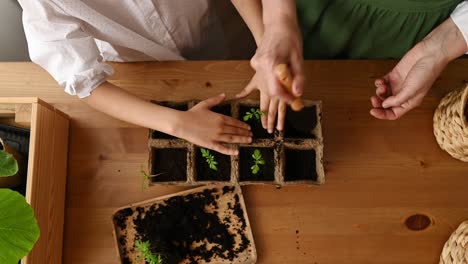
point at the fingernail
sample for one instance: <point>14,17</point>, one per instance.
<point>250,140</point>
<point>270,131</point>
<point>222,95</point>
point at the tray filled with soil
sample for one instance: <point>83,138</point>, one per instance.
<point>204,225</point>
<point>292,156</point>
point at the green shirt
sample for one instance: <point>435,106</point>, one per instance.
<point>367,29</point>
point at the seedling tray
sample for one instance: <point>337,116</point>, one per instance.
<point>204,225</point>
<point>292,156</point>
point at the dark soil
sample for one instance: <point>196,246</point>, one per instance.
<point>204,173</point>
<point>267,171</point>
<point>174,228</point>
<point>171,164</point>
<point>18,139</point>
<point>222,109</point>
<point>300,124</point>
<point>300,165</point>
<point>256,125</point>
<point>177,106</point>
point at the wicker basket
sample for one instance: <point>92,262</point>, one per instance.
<point>456,248</point>
<point>451,125</point>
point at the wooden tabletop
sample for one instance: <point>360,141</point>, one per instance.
<point>378,173</point>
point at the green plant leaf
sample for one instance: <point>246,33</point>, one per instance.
<point>18,227</point>
<point>8,164</point>
<point>205,152</point>
<point>261,162</point>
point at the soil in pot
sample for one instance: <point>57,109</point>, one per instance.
<point>190,228</point>
<point>300,124</point>
<point>205,173</point>
<point>246,161</point>
<point>169,164</point>
<point>300,165</point>
<point>177,106</point>
<point>224,109</point>
<point>255,124</point>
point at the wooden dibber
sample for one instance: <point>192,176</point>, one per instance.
<point>284,76</point>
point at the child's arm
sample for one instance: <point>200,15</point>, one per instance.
<point>198,125</point>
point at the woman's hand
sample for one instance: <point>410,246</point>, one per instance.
<point>406,85</point>
<point>207,129</point>
<point>281,43</point>
<point>266,102</point>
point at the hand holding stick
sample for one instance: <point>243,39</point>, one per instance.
<point>284,76</point>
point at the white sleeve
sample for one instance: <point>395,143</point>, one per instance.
<point>460,18</point>
<point>58,44</point>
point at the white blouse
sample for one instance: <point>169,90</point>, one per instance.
<point>71,38</point>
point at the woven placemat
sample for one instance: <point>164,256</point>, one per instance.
<point>456,248</point>
<point>451,124</point>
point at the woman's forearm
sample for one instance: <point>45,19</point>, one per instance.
<point>251,12</point>
<point>278,10</point>
<point>120,104</point>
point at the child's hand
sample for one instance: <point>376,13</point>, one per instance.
<point>207,129</point>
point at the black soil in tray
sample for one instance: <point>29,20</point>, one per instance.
<point>205,173</point>
<point>267,171</point>
<point>169,164</point>
<point>256,125</point>
<point>300,124</point>
<point>176,228</point>
<point>222,109</point>
<point>180,107</point>
<point>300,165</point>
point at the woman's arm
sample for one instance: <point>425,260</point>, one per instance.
<point>405,86</point>
<point>251,12</point>
<point>279,41</point>
<point>198,125</point>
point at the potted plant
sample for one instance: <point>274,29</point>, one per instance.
<point>18,225</point>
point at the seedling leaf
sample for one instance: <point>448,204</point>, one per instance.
<point>258,160</point>
<point>8,164</point>
<point>210,159</point>
<point>144,248</point>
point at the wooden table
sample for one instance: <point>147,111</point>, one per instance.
<point>378,173</point>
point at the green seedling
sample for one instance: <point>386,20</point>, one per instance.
<point>258,160</point>
<point>144,248</point>
<point>145,178</point>
<point>255,114</point>
<point>210,159</point>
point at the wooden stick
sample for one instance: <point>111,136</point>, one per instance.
<point>284,76</point>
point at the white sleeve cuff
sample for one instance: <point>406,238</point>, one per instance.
<point>82,84</point>
<point>460,18</point>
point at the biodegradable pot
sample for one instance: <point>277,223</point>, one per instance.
<point>15,180</point>
<point>451,124</point>
<point>295,155</point>
<point>203,225</point>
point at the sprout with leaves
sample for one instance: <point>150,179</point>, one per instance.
<point>145,177</point>
<point>255,114</point>
<point>144,248</point>
<point>210,159</point>
<point>258,160</point>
